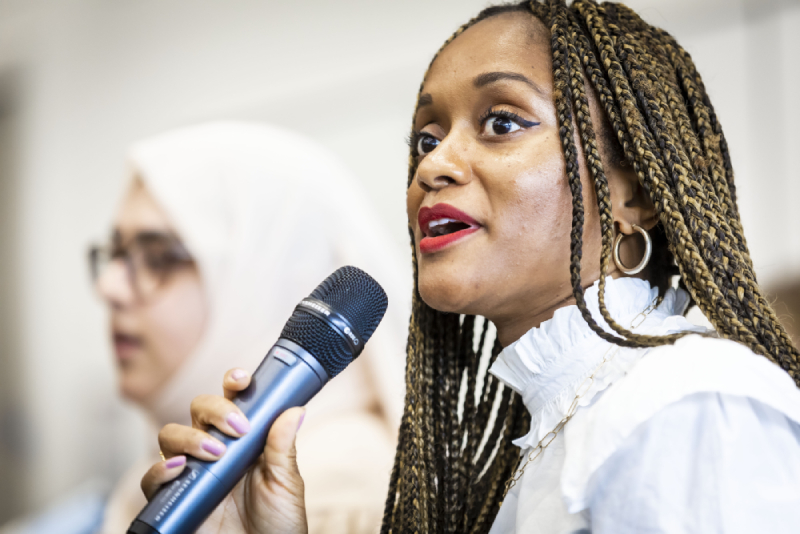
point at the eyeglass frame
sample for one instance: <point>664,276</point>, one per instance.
<point>176,252</point>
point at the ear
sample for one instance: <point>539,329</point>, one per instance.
<point>630,203</point>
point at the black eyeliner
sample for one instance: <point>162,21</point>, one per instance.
<point>507,115</point>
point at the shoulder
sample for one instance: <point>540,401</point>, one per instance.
<point>709,462</point>
<point>706,372</point>
<point>697,364</point>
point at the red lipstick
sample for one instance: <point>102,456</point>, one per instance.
<point>442,225</point>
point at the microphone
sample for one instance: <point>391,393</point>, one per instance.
<point>325,333</point>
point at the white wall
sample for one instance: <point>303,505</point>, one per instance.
<point>97,75</point>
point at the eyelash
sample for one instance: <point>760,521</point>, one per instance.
<point>506,115</point>
<point>413,139</point>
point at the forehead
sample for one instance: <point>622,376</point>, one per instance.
<point>510,42</point>
<point>140,212</point>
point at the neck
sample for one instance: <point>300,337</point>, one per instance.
<point>510,329</point>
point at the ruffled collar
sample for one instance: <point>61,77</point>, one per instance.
<point>549,363</point>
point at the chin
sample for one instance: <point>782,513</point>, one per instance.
<point>133,390</point>
<point>446,296</point>
<point>459,280</point>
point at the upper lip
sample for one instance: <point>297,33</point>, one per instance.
<point>442,211</point>
<point>119,336</point>
<point>124,334</point>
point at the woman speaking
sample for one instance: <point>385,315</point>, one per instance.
<point>569,184</point>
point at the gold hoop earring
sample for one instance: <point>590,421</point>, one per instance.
<point>648,251</point>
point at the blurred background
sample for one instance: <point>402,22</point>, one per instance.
<point>82,79</point>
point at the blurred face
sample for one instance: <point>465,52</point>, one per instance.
<point>157,308</point>
<point>490,206</point>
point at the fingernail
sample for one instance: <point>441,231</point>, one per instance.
<point>238,374</point>
<point>300,422</point>
<point>238,423</point>
<point>214,447</point>
<point>175,461</point>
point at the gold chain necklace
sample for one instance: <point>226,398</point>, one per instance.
<point>583,389</point>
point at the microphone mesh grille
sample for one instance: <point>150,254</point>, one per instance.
<point>358,298</point>
<point>355,295</point>
<point>318,338</point>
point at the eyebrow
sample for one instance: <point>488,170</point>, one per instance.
<point>117,237</point>
<point>491,77</point>
<point>426,99</point>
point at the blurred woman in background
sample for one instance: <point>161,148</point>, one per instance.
<point>224,229</point>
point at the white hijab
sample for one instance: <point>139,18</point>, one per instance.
<point>268,214</point>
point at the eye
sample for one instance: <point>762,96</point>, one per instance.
<point>161,253</point>
<point>118,251</point>
<point>503,122</point>
<point>500,126</point>
<point>426,143</point>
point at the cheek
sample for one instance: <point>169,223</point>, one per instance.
<point>414,197</point>
<point>541,205</point>
<point>535,204</point>
<point>173,324</point>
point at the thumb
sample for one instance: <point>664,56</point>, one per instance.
<point>280,454</point>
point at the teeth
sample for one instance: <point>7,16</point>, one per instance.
<point>445,226</point>
<point>439,222</point>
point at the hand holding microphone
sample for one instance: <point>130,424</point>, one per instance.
<point>248,480</point>
<point>269,498</point>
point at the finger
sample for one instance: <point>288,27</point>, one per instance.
<point>176,440</point>
<point>280,454</point>
<point>161,473</point>
<point>235,381</point>
<point>219,412</point>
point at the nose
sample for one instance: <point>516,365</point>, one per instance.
<point>114,285</point>
<point>446,165</point>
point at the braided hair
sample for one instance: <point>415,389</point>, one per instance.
<point>454,454</point>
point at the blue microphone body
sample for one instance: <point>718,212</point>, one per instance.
<point>290,375</point>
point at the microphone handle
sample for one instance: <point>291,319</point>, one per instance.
<point>288,376</point>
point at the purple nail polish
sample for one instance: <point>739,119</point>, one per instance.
<point>300,422</point>
<point>238,374</point>
<point>175,461</point>
<point>214,447</point>
<point>238,423</point>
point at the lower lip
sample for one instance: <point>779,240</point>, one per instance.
<point>428,245</point>
<point>125,350</point>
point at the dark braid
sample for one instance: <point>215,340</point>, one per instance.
<point>454,454</point>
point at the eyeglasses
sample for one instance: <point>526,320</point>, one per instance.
<point>150,258</point>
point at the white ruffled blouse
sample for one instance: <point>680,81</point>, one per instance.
<point>702,436</point>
